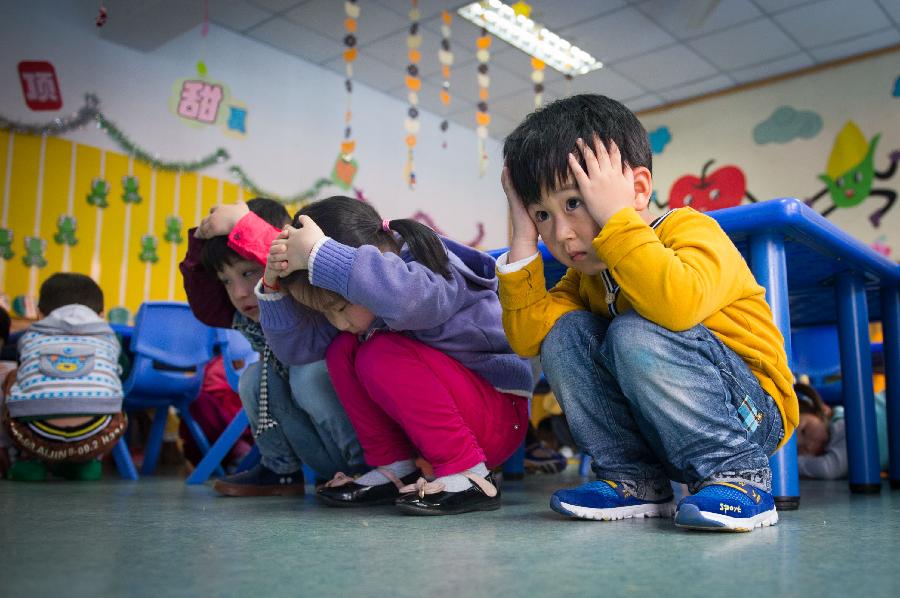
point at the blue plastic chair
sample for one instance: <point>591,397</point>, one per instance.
<point>815,352</point>
<point>171,348</point>
<point>237,354</point>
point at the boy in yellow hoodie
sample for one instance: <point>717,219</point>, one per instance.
<point>657,342</point>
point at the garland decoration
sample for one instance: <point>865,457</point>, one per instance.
<point>116,134</point>
<point>413,84</point>
<point>351,9</point>
<point>482,118</point>
<point>301,197</point>
<point>445,57</point>
<point>537,77</point>
<point>57,126</point>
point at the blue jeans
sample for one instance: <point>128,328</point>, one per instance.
<point>313,427</point>
<point>649,404</point>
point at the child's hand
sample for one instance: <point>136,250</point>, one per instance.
<point>221,220</point>
<point>605,188</point>
<point>290,250</point>
<point>524,233</point>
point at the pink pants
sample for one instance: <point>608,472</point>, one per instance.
<point>404,397</point>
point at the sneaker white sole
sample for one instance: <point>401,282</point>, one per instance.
<point>691,517</point>
<point>615,513</point>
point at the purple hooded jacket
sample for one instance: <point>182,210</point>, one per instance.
<point>459,316</point>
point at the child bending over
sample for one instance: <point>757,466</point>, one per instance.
<point>64,409</point>
<point>293,411</point>
<point>657,342</point>
<point>409,324</point>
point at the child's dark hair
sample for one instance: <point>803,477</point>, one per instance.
<point>4,325</point>
<point>216,253</point>
<point>67,288</point>
<point>809,400</point>
<point>356,223</point>
<point>536,152</point>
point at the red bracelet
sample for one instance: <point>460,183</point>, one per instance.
<point>275,287</point>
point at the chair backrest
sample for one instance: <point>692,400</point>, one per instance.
<point>171,348</point>
<point>237,354</point>
<point>168,332</point>
<point>815,352</point>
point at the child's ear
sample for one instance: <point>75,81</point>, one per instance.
<point>826,410</point>
<point>643,187</point>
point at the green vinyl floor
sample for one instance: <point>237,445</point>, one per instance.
<point>159,537</point>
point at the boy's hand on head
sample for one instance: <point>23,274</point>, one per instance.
<point>605,187</point>
<point>221,220</point>
<point>524,232</point>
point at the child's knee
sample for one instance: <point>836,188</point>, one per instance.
<point>341,347</point>
<point>248,386</point>
<point>631,336</point>
<point>382,355</point>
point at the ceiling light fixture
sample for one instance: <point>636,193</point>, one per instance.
<point>530,37</point>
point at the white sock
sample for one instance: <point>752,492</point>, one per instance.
<point>458,482</point>
<point>398,468</point>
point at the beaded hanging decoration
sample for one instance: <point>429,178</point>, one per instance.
<point>537,77</point>
<point>445,57</point>
<point>351,10</point>
<point>413,85</point>
<point>482,118</point>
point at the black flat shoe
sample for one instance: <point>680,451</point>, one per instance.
<point>346,493</point>
<point>483,495</point>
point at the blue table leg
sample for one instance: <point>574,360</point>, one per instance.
<point>856,380</point>
<point>514,467</point>
<point>219,449</point>
<point>890,323</point>
<point>767,262</point>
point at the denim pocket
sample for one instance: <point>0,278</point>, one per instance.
<point>750,416</point>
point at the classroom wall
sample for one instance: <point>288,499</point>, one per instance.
<point>779,139</point>
<point>295,126</point>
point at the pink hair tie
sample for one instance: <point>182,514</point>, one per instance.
<point>386,225</point>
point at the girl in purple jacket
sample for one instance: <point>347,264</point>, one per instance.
<point>409,325</point>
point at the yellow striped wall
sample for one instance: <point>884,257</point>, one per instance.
<point>34,193</point>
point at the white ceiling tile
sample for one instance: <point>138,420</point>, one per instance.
<point>698,88</point>
<point>296,40</point>
<point>373,73</point>
<point>831,21</point>
<point>277,5</point>
<point>865,43</point>
<point>518,62</point>
<point>464,81</point>
<point>666,68</point>
<point>745,45</point>
<point>892,8</point>
<point>773,6</point>
<point>687,20</point>
<point>236,14</point>
<point>557,14</point>
<point>427,8</point>
<point>462,34</point>
<point>770,69</point>
<point>645,102</point>
<point>618,35</point>
<point>327,18</point>
<point>393,50</point>
<point>606,81</point>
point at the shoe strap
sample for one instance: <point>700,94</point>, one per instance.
<point>339,479</point>
<point>423,487</point>
<point>391,476</point>
<point>489,489</point>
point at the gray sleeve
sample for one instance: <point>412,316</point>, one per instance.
<point>832,464</point>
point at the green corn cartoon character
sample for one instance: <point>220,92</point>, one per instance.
<point>851,172</point>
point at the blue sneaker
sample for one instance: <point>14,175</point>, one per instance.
<point>727,507</point>
<point>604,500</point>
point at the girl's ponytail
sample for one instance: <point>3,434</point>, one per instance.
<point>424,244</point>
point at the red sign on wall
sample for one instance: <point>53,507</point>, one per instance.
<point>39,85</point>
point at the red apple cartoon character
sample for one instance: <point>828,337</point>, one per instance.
<point>725,187</point>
